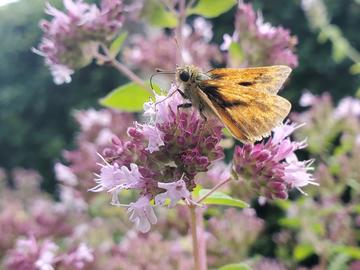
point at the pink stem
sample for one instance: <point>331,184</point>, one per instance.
<point>213,190</point>
<point>201,238</point>
<point>194,236</point>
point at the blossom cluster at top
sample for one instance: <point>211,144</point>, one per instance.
<point>71,38</point>
<point>260,42</point>
<point>159,50</point>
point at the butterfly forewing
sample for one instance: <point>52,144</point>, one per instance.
<point>268,79</point>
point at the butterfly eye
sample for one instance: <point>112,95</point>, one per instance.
<point>184,76</point>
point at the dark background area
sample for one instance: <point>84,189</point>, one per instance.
<point>36,115</point>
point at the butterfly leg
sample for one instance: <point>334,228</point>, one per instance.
<point>201,110</point>
<point>182,94</point>
<point>184,105</point>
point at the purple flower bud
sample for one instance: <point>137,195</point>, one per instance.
<point>202,160</point>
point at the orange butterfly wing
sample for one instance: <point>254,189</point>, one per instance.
<point>268,79</point>
<point>249,110</point>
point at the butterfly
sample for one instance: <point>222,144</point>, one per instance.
<point>244,99</point>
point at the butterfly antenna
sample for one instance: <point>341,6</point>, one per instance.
<point>159,71</point>
<point>165,98</point>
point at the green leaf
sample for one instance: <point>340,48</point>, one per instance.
<point>227,133</point>
<point>355,69</point>
<point>235,266</point>
<point>283,204</point>
<point>220,198</point>
<point>303,251</point>
<point>292,223</point>
<point>157,15</point>
<point>196,191</point>
<point>236,54</point>
<point>212,8</point>
<point>318,228</point>
<point>356,208</point>
<point>354,184</point>
<point>339,262</point>
<point>357,94</point>
<point>157,89</point>
<point>129,97</point>
<point>116,45</point>
<point>352,252</point>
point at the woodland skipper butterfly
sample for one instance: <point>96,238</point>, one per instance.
<point>244,99</point>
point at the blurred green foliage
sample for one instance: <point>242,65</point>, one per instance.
<point>35,114</point>
<point>317,70</point>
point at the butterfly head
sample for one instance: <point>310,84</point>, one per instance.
<point>187,74</point>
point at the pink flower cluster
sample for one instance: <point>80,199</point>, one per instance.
<point>341,121</point>
<point>71,38</point>
<point>139,251</point>
<point>230,221</point>
<point>261,43</point>
<point>159,50</point>
<point>33,255</point>
<point>272,168</point>
<point>161,158</point>
<point>97,128</point>
<point>348,107</point>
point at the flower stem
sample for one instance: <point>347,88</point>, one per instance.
<point>197,229</point>
<point>201,237</point>
<point>108,58</point>
<point>128,73</point>
<point>181,16</point>
<point>213,190</point>
<point>194,235</point>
